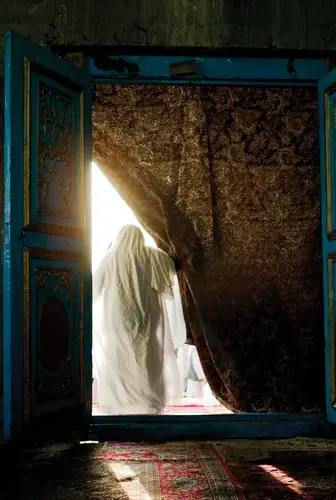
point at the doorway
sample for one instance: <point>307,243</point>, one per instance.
<point>56,241</point>
<point>196,397</point>
<point>254,157</point>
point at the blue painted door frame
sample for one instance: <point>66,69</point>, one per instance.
<point>176,70</point>
<point>327,102</point>
<point>162,70</point>
<point>128,70</point>
<point>46,258</point>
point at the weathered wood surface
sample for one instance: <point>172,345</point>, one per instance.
<point>286,24</point>
<point>243,426</point>
<point>1,231</point>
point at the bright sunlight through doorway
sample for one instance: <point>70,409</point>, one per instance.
<point>109,214</point>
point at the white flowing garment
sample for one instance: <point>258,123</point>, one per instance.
<point>134,347</point>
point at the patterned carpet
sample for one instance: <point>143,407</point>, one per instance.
<point>294,469</point>
<point>165,471</point>
<point>290,476</point>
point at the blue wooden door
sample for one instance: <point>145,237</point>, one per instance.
<point>327,102</point>
<point>47,261</point>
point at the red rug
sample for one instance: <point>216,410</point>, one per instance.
<point>169,471</point>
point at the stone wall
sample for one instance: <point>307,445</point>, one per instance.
<point>267,24</point>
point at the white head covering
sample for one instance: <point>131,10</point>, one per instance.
<point>129,276</point>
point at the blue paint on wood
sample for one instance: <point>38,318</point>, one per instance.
<point>227,417</point>
<point>72,98</point>
<point>76,80</point>
<point>12,274</point>
<point>208,70</point>
<point>87,291</point>
<point>203,427</point>
<point>328,246</point>
<point>40,240</point>
<point>72,303</point>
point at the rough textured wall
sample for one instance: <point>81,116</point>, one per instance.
<point>294,24</point>
<point>242,167</point>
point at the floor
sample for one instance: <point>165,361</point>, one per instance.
<point>185,406</point>
<point>268,470</point>
<point>195,405</point>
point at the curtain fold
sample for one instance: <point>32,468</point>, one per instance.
<point>227,180</point>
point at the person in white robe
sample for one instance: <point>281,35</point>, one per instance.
<point>134,346</point>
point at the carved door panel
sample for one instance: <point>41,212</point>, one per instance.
<point>47,261</point>
<point>327,97</point>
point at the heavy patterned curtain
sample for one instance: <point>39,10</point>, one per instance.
<point>227,179</point>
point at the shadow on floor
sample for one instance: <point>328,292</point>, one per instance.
<point>304,469</point>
